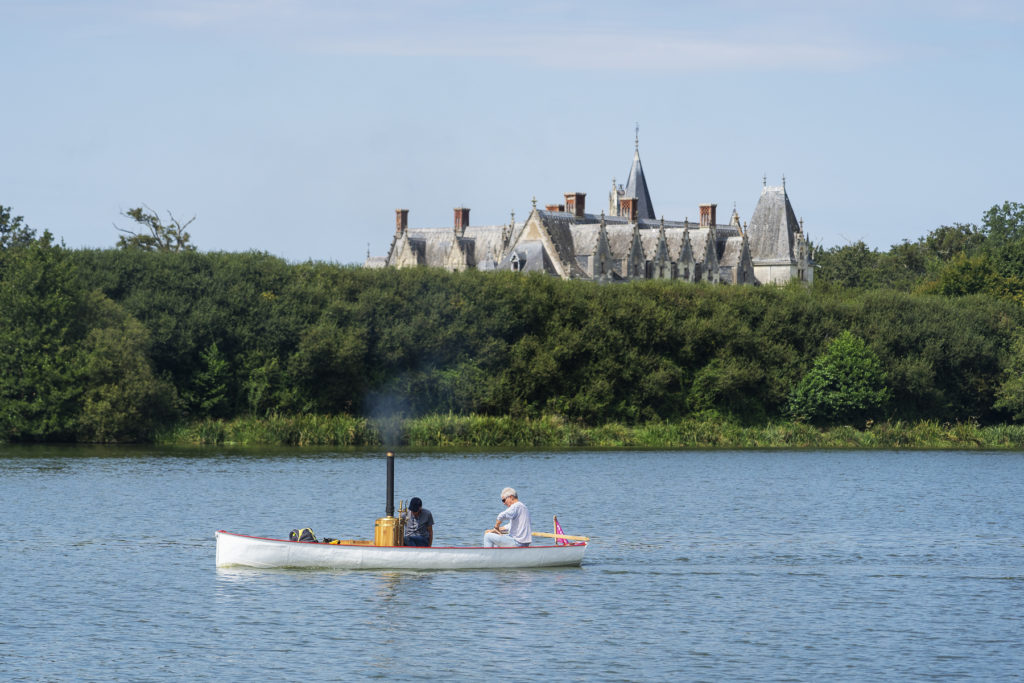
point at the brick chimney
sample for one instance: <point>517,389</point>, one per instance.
<point>461,220</point>
<point>576,203</point>
<point>628,208</point>
<point>708,215</point>
<point>401,221</point>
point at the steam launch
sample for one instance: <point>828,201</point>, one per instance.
<point>386,550</point>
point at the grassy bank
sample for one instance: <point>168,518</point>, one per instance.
<point>473,431</point>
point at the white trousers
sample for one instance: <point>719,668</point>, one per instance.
<point>494,540</point>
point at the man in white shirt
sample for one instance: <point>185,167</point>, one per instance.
<point>518,533</point>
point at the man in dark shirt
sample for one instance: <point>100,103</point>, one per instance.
<point>419,524</point>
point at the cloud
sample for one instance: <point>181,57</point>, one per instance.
<point>566,35</point>
<point>668,52</point>
<point>731,35</point>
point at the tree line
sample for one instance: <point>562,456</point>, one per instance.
<point>952,260</point>
<point>110,345</point>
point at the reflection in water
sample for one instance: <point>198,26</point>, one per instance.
<point>390,584</point>
<point>231,576</point>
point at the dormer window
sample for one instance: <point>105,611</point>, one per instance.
<point>517,265</point>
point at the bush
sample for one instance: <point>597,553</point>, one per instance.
<point>846,385</point>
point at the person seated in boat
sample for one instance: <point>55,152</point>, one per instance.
<point>419,525</point>
<point>518,532</point>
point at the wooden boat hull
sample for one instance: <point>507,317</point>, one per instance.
<point>237,550</point>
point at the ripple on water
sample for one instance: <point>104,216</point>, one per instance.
<point>767,566</point>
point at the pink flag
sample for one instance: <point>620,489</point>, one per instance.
<point>558,530</point>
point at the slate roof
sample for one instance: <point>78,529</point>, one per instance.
<point>732,253</point>
<point>649,240</point>
<point>773,226</point>
<point>531,257</point>
<point>583,237</point>
<point>433,246</point>
<point>636,186</point>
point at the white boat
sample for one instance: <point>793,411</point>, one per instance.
<point>237,550</point>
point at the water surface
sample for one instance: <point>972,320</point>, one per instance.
<point>760,566</point>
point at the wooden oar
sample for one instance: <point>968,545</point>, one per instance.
<point>568,538</point>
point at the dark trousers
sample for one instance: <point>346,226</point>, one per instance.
<point>416,540</point>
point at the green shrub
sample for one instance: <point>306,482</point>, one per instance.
<point>846,385</point>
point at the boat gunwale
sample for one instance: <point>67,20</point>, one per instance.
<point>575,544</point>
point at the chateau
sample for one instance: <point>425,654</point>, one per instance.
<point>626,242</point>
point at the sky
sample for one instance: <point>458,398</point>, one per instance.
<point>297,127</point>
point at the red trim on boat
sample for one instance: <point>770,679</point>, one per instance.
<point>402,547</point>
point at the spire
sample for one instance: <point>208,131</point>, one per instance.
<point>636,186</point>
<point>686,250</point>
<point>602,250</point>
<point>662,257</point>
<point>506,232</point>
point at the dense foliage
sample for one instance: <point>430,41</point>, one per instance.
<point>74,365</point>
<point>107,345</point>
<point>847,384</point>
<point>951,260</point>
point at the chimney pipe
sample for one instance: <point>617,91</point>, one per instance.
<point>628,208</point>
<point>390,509</point>
<point>708,215</point>
<point>575,203</point>
<point>461,219</point>
<point>401,220</point>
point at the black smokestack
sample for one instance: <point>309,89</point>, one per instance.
<point>390,510</point>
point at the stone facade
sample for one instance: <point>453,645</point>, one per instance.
<point>626,243</point>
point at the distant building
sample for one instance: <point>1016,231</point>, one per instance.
<point>626,243</point>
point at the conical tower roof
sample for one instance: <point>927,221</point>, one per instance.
<point>636,186</point>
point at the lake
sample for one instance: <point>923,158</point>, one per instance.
<point>704,566</point>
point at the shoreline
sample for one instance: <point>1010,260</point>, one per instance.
<point>555,432</point>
